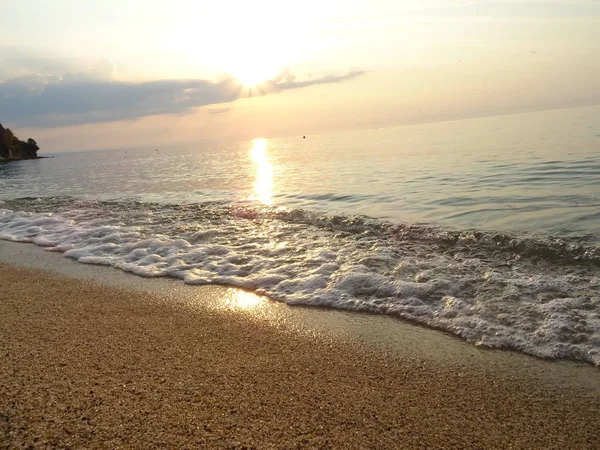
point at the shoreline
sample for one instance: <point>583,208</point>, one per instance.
<point>5,160</point>
<point>380,331</point>
<point>104,359</point>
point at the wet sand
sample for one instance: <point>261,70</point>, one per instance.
<point>89,365</point>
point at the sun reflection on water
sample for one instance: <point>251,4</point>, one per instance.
<point>241,300</point>
<point>263,186</point>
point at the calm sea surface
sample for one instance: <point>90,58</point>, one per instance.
<point>538,173</point>
<point>487,228</point>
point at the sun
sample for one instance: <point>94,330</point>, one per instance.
<point>253,76</point>
<point>253,61</point>
<point>261,38</point>
<point>254,71</point>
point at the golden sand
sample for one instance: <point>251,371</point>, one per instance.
<point>89,366</point>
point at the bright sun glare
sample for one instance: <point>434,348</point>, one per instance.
<point>255,73</point>
<point>261,39</point>
<point>263,187</point>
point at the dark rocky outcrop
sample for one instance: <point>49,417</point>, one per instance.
<point>13,149</point>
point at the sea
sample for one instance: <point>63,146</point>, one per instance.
<point>487,228</point>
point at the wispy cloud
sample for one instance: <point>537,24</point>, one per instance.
<point>287,79</point>
<point>217,111</point>
<point>96,96</point>
<point>18,61</point>
<point>530,9</point>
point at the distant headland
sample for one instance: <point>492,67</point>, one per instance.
<point>13,149</point>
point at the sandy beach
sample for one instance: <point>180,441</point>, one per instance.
<point>86,365</point>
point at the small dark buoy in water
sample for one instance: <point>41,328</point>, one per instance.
<point>156,149</point>
<point>303,137</point>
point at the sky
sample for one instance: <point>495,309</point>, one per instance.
<point>84,74</point>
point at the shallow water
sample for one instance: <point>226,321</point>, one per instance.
<point>485,228</point>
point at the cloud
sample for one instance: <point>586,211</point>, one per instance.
<point>289,80</point>
<point>529,9</point>
<point>19,61</point>
<point>97,96</point>
<point>217,111</point>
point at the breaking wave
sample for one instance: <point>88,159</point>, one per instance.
<point>537,295</point>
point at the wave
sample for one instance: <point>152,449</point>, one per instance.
<point>534,294</point>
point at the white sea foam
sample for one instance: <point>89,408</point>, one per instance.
<point>549,311</point>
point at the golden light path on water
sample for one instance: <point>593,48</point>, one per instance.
<point>263,186</point>
<point>242,300</point>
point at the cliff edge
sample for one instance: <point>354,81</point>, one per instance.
<point>13,149</point>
